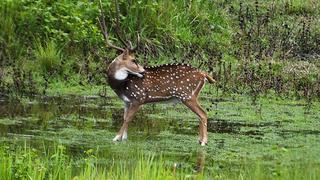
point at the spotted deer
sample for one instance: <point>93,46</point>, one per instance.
<point>137,85</point>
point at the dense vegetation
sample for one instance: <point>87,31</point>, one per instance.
<point>249,46</point>
<point>263,111</point>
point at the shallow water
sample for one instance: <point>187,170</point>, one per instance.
<point>237,130</point>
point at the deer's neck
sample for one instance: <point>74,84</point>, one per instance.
<point>117,85</point>
<point>117,78</point>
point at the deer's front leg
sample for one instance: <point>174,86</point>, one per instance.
<point>129,112</point>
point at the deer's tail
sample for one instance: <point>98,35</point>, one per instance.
<point>210,79</point>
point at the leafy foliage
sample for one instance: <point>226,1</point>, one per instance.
<point>238,42</point>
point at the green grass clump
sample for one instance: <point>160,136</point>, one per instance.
<point>26,163</point>
<point>48,57</point>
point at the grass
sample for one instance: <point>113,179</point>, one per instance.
<point>48,57</point>
<point>24,162</point>
<point>60,88</point>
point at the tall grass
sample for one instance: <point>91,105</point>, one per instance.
<point>28,163</point>
<point>48,57</point>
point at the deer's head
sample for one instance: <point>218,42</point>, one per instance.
<point>126,64</point>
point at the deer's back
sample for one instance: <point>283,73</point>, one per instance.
<point>164,83</point>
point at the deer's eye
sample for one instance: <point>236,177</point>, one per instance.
<point>134,61</point>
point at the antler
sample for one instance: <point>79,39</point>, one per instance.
<point>137,44</point>
<point>104,32</point>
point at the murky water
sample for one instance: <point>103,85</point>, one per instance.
<point>82,123</point>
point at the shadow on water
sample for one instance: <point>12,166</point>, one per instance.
<point>52,113</point>
<point>197,160</point>
<point>235,127</point>
<point>290,133</point>
<point>59,105</point>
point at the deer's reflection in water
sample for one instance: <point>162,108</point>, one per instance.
<point>199,163</point>
<point>201,156</point>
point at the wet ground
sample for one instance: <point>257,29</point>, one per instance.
<point>274,131</point>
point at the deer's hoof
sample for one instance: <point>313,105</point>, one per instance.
<point>124,136</point>
<point>117,138</point>
<point>202,143</point>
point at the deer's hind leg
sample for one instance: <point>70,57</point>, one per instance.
<point>129,112</point>
<point>196,108</point>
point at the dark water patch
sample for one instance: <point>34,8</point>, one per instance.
<point>227,126</point>
<point>294,104</point>
<point>59,105</point>
<point>231,127</point>
<point>217,100</point>
<point>257,134</point>
<point>14,126</point>
<point>220,143</point>
<point>291,133</point>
